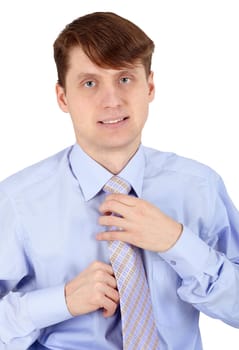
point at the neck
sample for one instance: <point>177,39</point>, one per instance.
<point>114,160</point>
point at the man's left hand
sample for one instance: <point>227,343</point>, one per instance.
<point>137,222</point>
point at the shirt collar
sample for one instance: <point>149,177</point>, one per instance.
<point>92,176</point>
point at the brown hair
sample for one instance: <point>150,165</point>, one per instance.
<point>110,41</point>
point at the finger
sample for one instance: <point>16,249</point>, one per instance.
<point>113,206</point>
<point>112,220</point>
<point>101,266</point>
<point>101,291</point>
<point>105,278</point>
<point>111,281</point>
<point>110,302</point>
<point>110,308</point>
<point>114,236</point>
<point>111,293</point>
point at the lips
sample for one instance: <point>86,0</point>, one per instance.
<point>113,121</point>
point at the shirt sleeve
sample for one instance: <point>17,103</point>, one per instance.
<point>208,262</point>
<point>23,312</point>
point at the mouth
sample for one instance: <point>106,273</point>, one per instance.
<point>113,121</point>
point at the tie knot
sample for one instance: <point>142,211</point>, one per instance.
<point>117,185</point>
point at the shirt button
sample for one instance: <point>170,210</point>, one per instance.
<point>173,262</point>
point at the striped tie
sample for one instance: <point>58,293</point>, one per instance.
<point>138,327</point>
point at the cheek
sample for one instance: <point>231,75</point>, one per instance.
<point>142,97</point>
<point>77,107</point>
<point>142,107</point>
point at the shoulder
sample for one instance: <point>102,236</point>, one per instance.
<point>35,174</point>
<point>158,162</point>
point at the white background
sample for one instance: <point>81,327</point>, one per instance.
<point>196,66</point>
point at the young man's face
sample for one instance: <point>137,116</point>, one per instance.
<point>108,107</point>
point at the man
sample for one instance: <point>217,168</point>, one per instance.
<point>59,287</point>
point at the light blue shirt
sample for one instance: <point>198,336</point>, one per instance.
<point>48,224</point>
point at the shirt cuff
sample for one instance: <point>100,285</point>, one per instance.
<point>189,256</point>
<point>47,306</point>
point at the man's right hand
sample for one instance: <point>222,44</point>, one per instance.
<point>92,289</point>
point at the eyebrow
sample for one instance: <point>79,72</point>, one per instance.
<point>86,75</point>
<point>81,76</point>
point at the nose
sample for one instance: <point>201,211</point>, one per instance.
<point>110,96</point>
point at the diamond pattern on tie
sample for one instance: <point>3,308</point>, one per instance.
<point>138,326</point>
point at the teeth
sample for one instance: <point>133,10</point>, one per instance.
<point>112,121</point>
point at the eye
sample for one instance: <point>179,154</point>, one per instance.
<point>89,84</point>
<point>124,80</point>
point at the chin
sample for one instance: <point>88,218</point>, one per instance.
<point>121,146</point>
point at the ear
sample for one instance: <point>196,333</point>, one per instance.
<point>61,98</point>
<point>151,86</point>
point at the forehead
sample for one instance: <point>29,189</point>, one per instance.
<point>79,62</point>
